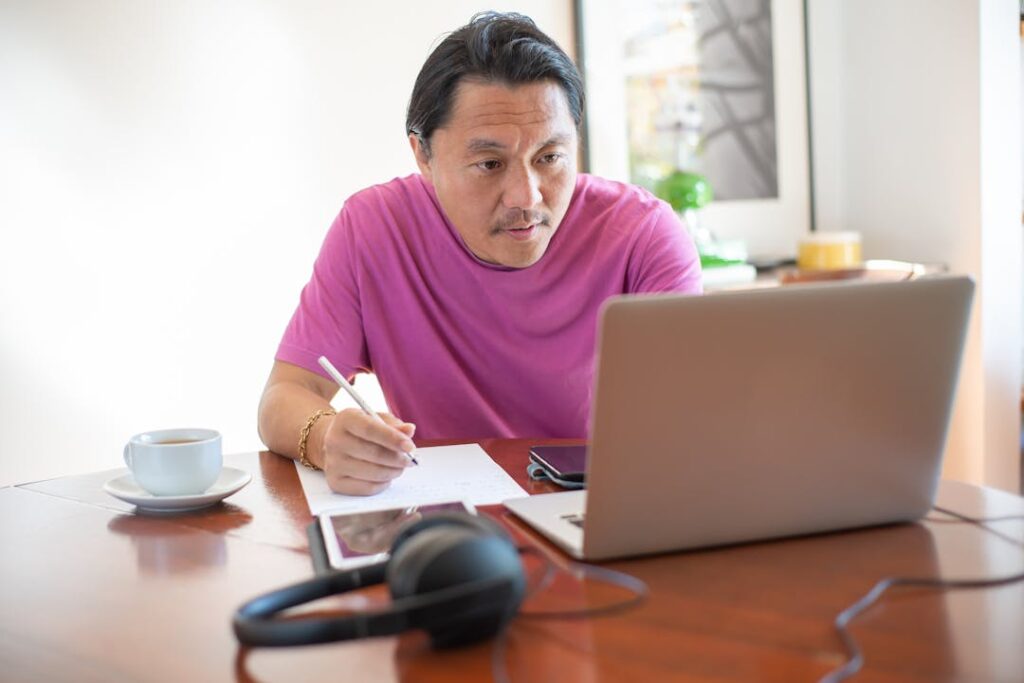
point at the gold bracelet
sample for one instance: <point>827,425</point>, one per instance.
<point>304,436</point>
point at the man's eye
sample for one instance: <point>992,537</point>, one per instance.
<point>489,165</point>
<point>550,158</point>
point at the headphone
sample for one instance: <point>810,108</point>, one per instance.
<point>457,576</point>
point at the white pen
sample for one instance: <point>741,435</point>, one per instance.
<point>360,401</point>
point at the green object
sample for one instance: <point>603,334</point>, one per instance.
<point>712,261</point>
<point>684,190</point>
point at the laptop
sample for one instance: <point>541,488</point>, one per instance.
<point>751,415</point>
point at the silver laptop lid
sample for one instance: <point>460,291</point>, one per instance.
<point>747,415</point>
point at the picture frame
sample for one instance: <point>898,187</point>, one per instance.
<point>648,53</point>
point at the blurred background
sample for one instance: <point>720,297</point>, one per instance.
<point>168,171</point>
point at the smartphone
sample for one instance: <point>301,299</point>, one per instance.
<point>562,462</point>
<point>357,539</point>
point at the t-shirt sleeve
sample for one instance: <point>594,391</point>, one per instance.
<point>328,320</point>
<point>665,258</point>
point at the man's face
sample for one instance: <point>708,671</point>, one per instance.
<point>504,168</point>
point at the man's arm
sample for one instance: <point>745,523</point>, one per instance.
<point>359,455</point>
<point>291,395</point>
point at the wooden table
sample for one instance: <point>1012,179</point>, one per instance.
<point>90,591</point>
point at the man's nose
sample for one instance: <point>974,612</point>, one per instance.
<point>522,188</point>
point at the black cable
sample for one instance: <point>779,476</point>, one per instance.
<point>981,522</point>
<point>637,587</point>
<point>855,658</point>
<point>964,518</point>
<point>639,590</point>
<point>610,576</point>
<point>499,672</point>
<point>546,577</point>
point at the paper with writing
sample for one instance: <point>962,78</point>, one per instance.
<point>445,473</point>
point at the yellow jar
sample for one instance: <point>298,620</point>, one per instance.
<point>829,251</point>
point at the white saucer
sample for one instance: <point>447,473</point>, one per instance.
<point>124,488</point>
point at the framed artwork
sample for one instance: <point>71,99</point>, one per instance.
<point>713,87</point>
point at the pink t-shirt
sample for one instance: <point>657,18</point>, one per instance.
<point>466,349</point>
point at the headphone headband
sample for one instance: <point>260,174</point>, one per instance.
<point>454,605</point>
<point>254,623</point>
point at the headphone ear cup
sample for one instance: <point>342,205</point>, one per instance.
<point>410,560</point>
<point>418,544</point>
<point>448,551</point>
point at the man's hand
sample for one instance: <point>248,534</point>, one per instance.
<point>361,456</point>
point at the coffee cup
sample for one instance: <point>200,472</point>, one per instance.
<point>175,462</point>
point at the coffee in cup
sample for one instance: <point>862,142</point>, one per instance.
<point>175,462</point>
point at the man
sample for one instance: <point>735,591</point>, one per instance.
<point>471,289</point>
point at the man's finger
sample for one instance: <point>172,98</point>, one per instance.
<point>406,428</point>
<point>356,487</point>
<point>368,470</point>
<point>382,434</point>
<point>358,450</point>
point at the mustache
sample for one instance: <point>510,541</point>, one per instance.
<point>520,218</point>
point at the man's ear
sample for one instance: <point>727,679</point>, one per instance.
<point>420,152</point>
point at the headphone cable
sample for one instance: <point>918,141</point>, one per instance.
<point>855,657</point>
<point>612,577</point>
<point>638,589</point>
<point>547,575</point>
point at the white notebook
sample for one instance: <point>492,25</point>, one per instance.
<point>445,473</point>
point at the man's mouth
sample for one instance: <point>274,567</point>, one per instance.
<point>522,233</point>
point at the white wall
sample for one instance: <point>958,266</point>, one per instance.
<point>167,172</point>
<point>917,146</point>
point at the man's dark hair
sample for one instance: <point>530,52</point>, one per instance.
<point>499,47</point>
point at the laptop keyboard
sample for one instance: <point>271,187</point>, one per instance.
<point>574,518</point>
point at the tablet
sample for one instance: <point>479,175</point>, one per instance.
<point>357,539</point>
